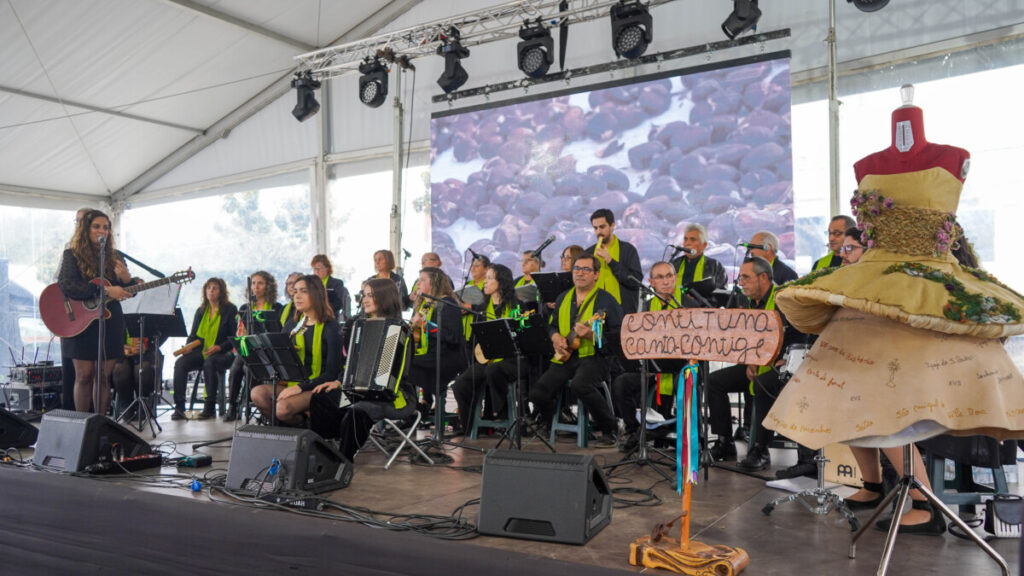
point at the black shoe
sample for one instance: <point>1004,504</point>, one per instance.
<point>757,459</point>
<point>179,414</point>
<point>741,434</point>
<point>231,416</point>
<point>867,504</point>
<point>629,442</point>
<point>207,413</point>
<point>723,451</point>
<point>809,469</point>
<point>606,440</point>
<point>935,525</point>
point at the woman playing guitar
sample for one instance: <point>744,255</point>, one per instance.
<point>499,288</point>
<point>428,315</point>
<point>79,265</point>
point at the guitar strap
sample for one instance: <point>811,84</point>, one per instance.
<point>586,302</point>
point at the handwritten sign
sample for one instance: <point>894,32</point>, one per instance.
<point>740,336</point>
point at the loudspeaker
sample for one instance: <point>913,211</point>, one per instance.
<point>16,432</point>
<point>71,441</point>
<point>540,496</point>
<point>304,461</point>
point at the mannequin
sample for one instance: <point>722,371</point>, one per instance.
<point>910,150</point>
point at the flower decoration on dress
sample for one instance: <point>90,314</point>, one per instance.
<point>867,207</point>
<point>963,306</point>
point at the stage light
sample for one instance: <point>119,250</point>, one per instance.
<point>536,51</point>
<point>454,75</point>
<point>869,5</point>
<point>306,105</point>
<point>744,16</point>
<point>632,29</point>
<point>373,84</point>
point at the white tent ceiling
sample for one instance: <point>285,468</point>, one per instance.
<point>105,97</point>
<point>94,92</point>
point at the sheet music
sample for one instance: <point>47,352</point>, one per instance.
<point>160,300</point>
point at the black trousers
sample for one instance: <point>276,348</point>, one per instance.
<point>734,379</point>
<point>212,367</point>
<point>626,398</point>
<point>479,380</point>
<point>587,375</point>
<point>350,424</point>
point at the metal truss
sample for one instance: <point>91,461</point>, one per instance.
<point>475,28</point>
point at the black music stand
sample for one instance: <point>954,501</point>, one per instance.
<point>162,326</point>
<point>503,338</point>
<point>268,357</point>
<point>551,284</point>
<point>262,322</point>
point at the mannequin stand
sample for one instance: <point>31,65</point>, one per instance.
<point>907,483</point>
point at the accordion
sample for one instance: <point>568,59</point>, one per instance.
<point>376,358</point>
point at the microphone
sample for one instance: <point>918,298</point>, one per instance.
<point>645,289</point>
<point>750,246</point>
<point>682,249</point>
<point>473,252</point>
<point>544,245</point>
<point>407,253</point>
<point>103,240</point>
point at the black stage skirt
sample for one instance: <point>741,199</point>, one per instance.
<point>85,345</point>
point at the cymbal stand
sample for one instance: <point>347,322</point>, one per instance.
<point>826,499</point>
<point>907,483</point>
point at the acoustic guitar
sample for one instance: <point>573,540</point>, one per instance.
<point>67,317</point>
<point>573,341</point>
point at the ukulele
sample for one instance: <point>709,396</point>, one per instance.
<point>573,341</point>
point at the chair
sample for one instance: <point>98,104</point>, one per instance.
<point>221,392</point>
<point>408,438</point>
<point>936,467</point>
<point>582,425</point>
<point>479,422</point>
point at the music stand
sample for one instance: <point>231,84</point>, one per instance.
<point>262,322</point>
<point>158,307</point>
<point>551,284</point>
<point>503,338</point>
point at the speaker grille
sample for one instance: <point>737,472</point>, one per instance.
<point>523,526</point>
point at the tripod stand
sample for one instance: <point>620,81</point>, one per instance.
<point>907,483</point>
<point>826,499</point>
<point>499,339</point>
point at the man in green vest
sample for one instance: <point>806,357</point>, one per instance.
<point>573,323</point>
<point>761,381</point>
<point>694,266</point>
<point>619,261</point>
<point>626,387</point>
<point>837,228</point>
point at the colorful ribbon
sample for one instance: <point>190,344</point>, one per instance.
<point>687,442</point>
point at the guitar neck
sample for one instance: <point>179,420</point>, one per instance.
<point>136,288</point>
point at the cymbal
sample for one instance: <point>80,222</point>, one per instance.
<point>471,295</point>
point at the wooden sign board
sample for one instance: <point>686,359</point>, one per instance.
<point>737,335</point>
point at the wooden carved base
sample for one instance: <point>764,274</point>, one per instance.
<point>696,559</point>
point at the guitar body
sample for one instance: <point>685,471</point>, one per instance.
<point>573,341</point>
<point>65,316</point>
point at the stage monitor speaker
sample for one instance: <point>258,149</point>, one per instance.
<point>72,441</point>
<point>307,463</point>
<point>540,496</point>
<point>16,432</point>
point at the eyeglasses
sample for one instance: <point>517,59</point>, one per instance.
<point>850,248</point>
<point>663,277</point>
<point>586,269</point>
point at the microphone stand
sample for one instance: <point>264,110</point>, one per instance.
<point>437,438</point>
<point>100,330</point>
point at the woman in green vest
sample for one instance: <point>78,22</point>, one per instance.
<point>496,373</point>
<point>435,327</point>
<point>213,326</point>
<point>352,423</point>
<point>317,340</point>
<point>263,298</point>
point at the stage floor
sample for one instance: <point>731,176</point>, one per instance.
<point>727,509</point>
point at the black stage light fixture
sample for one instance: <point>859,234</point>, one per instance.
<point>869,5</point>
<point>454,75</point>
<point>536,51</point>
<point>744,16</point>
<point>306,105</point>
<point>373,84</point>
<point>632,29</point>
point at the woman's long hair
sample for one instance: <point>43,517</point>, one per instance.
<point>87,254</point>
<point>270,293</point>
<point>224,297</point>
<point>440,285</point>
<point>506,286</point>
<point>385,297</point>
<point>317,297</point>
